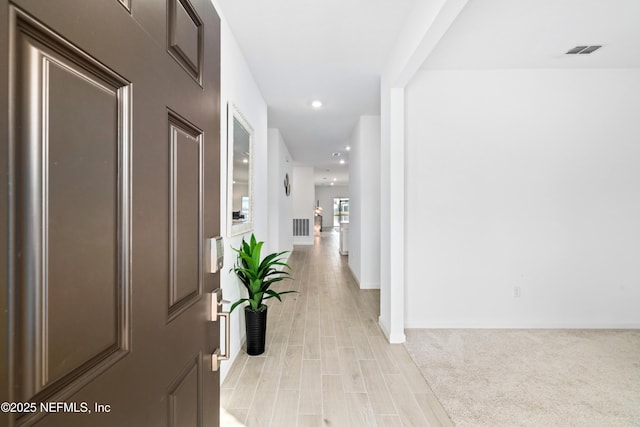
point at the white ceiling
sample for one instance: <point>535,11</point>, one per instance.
<point>537,33</point>
<point>332,50</point>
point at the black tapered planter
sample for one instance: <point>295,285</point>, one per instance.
<point>256,326</point>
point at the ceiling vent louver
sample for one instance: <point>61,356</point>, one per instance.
<point>583,50</point>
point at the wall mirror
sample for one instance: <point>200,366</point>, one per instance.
<point>239,173</point>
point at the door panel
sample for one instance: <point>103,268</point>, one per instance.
<point>112,183</point>
<point>185,37</point>
<point>186,219</point>
<point>80,169</point>
<point>185,396</point>
<point>71,284</point>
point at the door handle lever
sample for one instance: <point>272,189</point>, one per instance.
<point>216,313</point>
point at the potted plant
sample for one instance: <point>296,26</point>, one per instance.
<point>257,275</point>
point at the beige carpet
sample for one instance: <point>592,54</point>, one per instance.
<point>532,377</point>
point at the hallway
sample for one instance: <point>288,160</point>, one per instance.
<point>327,362</point>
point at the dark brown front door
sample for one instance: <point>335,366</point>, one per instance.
<point>109,186</point>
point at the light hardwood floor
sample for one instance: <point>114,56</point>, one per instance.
<point>327,362</point>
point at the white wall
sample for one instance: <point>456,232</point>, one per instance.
<point>527,179</point>
<point>302,194</point>
<point>364,202</point>
<point>238,87</point>
<point>280,205</point>
<point>325,195</point>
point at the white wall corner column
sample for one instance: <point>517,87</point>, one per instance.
<point>393,205</point>
<point>385,210</point>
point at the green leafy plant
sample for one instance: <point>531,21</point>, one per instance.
<point>258,275</point>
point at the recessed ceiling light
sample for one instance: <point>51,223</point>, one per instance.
<point>335,179</point>
<point>348,148</point>
<point>245,160</point>
<point>331,183</point>
<point>316,104</point>
<point>342,162</point>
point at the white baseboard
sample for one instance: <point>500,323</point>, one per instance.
<point>363,285</point>
<point>355,278</point>
<point>303,241</point>
<point>517,325</point>
<point>393,339</point>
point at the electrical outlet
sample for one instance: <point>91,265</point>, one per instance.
<point>516,292</point>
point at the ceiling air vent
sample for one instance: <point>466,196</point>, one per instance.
<point>583,50</point>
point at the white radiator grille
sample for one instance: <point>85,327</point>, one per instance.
<point>301,226</point>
